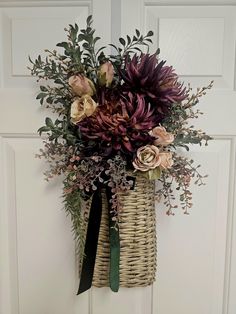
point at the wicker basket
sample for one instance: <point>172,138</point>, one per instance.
<point>137,239</point>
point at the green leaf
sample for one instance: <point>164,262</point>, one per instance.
<point>63,44</point>
<point>85,45</point>
<point>150,33</point>
<point>30,60</point>
<point>70,138</point>
<point>49,100</point>
<point>89,20</point>
<point>41,95</point>
<point>137,32</point>
<point>96,39</point>
<point>101,57</point>
<point>49,122</point>
<point>58,81</point>
<point>128,39</point>
<point>113,46</point>
<point>82,37</point>
<point>184,146</point>
<point>43,88</point>
<point>154,174</point>
<point>57,122</point>
<point>76,27</point>
<point>100,49</point>
<point>57,132</point>
<point>138,49</point>
<point>43,129</point>
<point>122,41</point>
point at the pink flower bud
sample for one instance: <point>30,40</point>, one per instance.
<point>106,74</point>
<point>81,85</point>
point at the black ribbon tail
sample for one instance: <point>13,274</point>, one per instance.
<point>90,249</point>
<point>114,237</point>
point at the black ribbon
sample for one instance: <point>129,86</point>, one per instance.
<point>90,250</point>
<point>91,243</point>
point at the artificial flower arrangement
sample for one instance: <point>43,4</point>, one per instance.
<point>120,117</point>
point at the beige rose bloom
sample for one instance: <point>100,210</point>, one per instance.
<point>81,108</point>
<point>148,157</point>
<point>81,85</point>
<point>166,160</point>
<point>163,137</point>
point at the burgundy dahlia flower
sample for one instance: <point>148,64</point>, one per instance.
<point>120,126</point>
<point>145,75</point>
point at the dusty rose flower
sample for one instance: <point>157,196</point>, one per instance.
<point>148,157</point>
<point>81,108</point>
<point>166,160</point>
<point>163,137</point>
<point>81,85</point>
<point>106,74</point>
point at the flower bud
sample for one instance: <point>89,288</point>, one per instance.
<point>81,85</point>
<point>106,74</point>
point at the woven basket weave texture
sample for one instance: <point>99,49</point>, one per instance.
<point>137,238</point>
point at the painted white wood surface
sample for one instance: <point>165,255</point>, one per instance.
<point>196,253</point>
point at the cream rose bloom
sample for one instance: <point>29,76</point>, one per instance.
<point>163,137</point>
<point>81,108</point>
<point>148,157</point>
<point>166,160</point>
<point>81,85</point>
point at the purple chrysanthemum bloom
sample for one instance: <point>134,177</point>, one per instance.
<point>145,75</point>
<point>123,125</point>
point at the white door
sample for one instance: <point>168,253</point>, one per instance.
<point>196,253</point>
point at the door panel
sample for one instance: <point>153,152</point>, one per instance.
<point>196,253</point>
